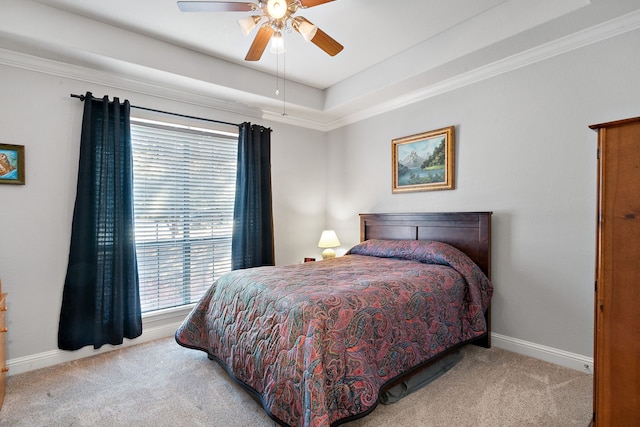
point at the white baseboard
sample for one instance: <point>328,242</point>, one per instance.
<point>54,357</point>
<point>548,354</point>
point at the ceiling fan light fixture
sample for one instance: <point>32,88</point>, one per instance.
<point>249,23</point>
<point>277,43</point>
<point>277,9</point>
<point>273,17</point>
<point>307,30</point>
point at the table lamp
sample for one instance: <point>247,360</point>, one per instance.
<point>328,240</point>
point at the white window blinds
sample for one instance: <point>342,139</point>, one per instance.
<point>184,190</point>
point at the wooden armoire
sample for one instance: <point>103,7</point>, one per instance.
<point>617,288</point>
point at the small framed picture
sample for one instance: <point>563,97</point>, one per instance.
<point>11,164</point>
<point>423,162</point>
<point>309,259</point>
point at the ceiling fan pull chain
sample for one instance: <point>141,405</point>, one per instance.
<point>277,74</point>
<point>284,84</point>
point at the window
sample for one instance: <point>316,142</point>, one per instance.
<point>184,191</point>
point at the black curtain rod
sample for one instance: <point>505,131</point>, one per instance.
<point>82,98</point>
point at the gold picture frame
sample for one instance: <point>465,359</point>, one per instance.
<point>424,162</point>
<point>11,164</point>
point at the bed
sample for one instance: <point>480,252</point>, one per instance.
<point>317,343</point>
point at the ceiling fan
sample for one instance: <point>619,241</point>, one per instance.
<point>274,17</point>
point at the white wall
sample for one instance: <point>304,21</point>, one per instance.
<point>299,191</point>
<point>37,112</point>
<point>525,152</point>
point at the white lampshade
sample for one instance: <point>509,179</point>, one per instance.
<point>328,240</point>
<point>277,8</point>
<point>277,43</point>
<point>307,30</point>
<point>249,23</point>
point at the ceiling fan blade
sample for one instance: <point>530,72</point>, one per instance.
<point>311,3</point>
<point>215,6</point>
<point>320,38</point>
<point>326,43</point>
<point>259,43</point>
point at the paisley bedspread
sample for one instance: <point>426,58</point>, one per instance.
<point>316,341</point>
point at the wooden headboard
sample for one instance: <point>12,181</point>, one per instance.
<point>468,231</point>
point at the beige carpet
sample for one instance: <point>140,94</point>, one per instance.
<point>162,384</point>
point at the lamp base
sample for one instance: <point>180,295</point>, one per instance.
<point>328,253</point>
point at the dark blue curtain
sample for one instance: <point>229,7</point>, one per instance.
<point>101,301</point>
<point>252,243</point>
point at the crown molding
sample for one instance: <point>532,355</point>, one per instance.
<point>178,88</point>
<point>294,120</point>
<point>173,88</point>
<point>595,34</point>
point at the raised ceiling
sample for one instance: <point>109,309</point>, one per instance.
<point>394,52</point>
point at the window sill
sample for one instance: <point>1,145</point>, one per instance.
<point>167,313</point>
<point>165,322</point>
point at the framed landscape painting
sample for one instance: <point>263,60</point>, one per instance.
<point>423,162</point>
<point>11,164</point>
